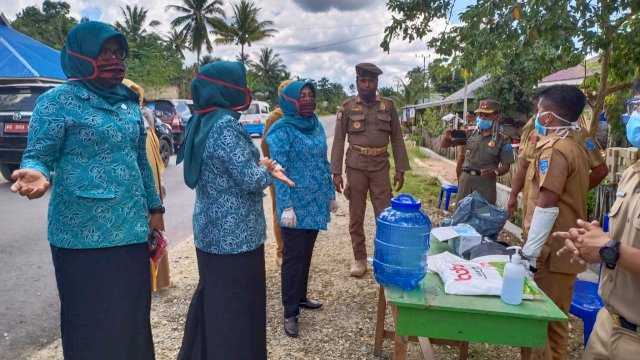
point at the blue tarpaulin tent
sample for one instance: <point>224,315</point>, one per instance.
<point>23,58</point>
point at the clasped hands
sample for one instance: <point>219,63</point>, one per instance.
<point>276,170</point>
<point>583,242</point>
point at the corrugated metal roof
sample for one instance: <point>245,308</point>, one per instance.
<point>573,73</point>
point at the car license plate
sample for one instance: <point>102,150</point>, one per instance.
<point>16,127</point>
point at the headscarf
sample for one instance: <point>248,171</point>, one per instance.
<point>218,89</point>
<point>288,101</point>
<point>85,41</point>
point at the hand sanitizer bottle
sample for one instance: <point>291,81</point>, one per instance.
<point>513,279</point>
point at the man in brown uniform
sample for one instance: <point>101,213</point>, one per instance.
<point>616,334</point>
<point>488,153</point>
<point>370,122</point>
<point>557,198</point>
<point>526,156</point>
<point>275,115</point>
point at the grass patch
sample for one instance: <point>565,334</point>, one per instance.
<point>424,188</point>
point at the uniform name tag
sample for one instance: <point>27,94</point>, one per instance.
<point>620,193</point>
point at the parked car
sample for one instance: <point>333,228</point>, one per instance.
<point>175,112</point>
<point>16,106</point>
<point>255,117</point>
<point>165,137</point>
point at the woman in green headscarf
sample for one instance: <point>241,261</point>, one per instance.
<point>89,133</point>
<point>227,315</point>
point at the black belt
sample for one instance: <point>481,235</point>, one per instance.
<point>472,172</point>
<point>622,322</point>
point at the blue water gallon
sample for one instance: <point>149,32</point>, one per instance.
<point>402,243</point>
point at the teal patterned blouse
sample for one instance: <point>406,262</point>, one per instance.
<point>228,216</point>
<point>102,184</point>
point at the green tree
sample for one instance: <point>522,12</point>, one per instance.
<point>245,27</point>
<point>269,66</point>
<point>208,59</point>
<point>134,25</point>
<point>444,76</point>
<point>152,63</point>
<point>198,17</point>
<point>556,34</point>
<point>49,26</point>
<point>178,41</point>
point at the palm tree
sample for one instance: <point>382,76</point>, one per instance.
<point>198,16</point>
<point>269,67</point>
<point>245,27</point>
<point>134,22</point>
<point>178,41</point>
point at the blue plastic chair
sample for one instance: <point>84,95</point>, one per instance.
<point>585,304</point>
<point>448,189</point>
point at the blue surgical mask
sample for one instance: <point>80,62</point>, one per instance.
<point>539,128</point>
<point>484,124</point>
<point>633,129</point>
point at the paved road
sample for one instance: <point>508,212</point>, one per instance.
<point>29,306</point>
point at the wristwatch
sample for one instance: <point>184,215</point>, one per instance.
<point>610,253</point>
<point>157,210</point>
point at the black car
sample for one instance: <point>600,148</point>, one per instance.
<point>17,102</point>
<point>16,106</point>
<point>173,112</point>
<point>165,136</point>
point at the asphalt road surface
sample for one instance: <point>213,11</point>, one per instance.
<point>29,305</point>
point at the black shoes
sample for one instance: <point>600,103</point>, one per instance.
<point>310,304</point>
<point>291,326</point>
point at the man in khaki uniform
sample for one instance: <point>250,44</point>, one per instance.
<point>559,178</point>
<point>369,122</point>
<point>488,153</point>
<point>275,115</point>
<point>616,334</point>
<point>526,155</point>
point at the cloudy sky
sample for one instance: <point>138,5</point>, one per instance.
<point>316,37</point>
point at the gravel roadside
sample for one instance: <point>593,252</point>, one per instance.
<point>342,329</point>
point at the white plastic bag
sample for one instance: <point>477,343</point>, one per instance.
<point>471,277</point>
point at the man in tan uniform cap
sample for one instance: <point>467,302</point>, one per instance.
<point>616,334</point>
<point>370,122</point>
<point>557,198</point>
<point>488,153</point>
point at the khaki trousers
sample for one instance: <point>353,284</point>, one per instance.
<point>611,342</point>
<point>469,183</point>
<point>359,182</point>
<point>277,232</point>
<point>559,288</point>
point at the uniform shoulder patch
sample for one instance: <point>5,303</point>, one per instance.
<point>348,100</point>
<point>590,144</point>
<point>508,147</point>
<point>544,166</point>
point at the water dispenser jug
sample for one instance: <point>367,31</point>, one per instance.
<point>401,244</point>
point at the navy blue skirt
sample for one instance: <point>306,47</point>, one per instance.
<point>227,315</point>
<point>105,302</point>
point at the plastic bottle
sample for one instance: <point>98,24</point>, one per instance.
<point>513,279</point>
<point>401,244</point>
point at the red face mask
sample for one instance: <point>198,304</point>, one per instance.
<point>306,107</point>
<point>111,72</point>
<point>247,100</point>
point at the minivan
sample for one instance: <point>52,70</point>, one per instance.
<point>255,117</point>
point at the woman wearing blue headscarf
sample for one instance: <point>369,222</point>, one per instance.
<point>227,315</point>
<point>89,132</point>
<point>298,143</point>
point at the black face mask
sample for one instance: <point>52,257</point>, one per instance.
<point>111,72</point>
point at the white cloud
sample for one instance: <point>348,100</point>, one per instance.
<point>312,44</point>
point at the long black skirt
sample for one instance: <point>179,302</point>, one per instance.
<point>105,302</point>
<point>227,316</point>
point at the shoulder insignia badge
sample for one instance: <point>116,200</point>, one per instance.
<point>382,106</point>
<point>590,144</point>
<point>357,125</point>
<point>544,166</point>
<point>508,147</point>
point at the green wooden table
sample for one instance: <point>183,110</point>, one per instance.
<point>428,312</point>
